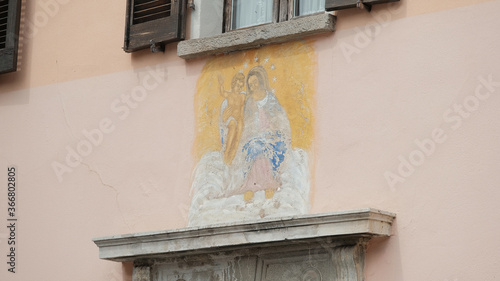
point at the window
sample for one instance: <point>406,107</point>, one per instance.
<point>306,7</point>
<point>10,14</point>
<point>222,26</point>
<point>251,12</point>
<point>246,13</point>
<point>153,23</point>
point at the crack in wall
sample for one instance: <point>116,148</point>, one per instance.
<point>66,116</point>
<point>112,188</point>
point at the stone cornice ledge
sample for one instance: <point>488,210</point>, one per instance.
<point>357,223</point>
<point>257,36</point>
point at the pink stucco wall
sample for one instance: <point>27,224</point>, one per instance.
<point>404,85</point>
<point>384,101</point>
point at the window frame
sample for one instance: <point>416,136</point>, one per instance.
<point>283,10</point>
<point>292,8</point>
<point>288,28</point>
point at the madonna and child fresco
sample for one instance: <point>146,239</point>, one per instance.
<point>250,166</point>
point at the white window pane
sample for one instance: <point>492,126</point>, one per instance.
<point>251,12</point>
<point>304,7</point>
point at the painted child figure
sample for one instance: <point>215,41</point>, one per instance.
<point>232,109</point>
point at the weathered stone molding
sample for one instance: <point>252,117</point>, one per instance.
<point>257,36</point>
<point>318,247</point>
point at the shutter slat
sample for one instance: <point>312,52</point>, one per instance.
<point>145,10</point>
<point>10,15</point>
<point>144,15</point>
<point>163,7</point>
<point>150,4</point>
<point>4,13</point>
<point>141,2</point>
<point>150,17</point>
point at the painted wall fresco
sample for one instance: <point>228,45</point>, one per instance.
<point>254,113</point>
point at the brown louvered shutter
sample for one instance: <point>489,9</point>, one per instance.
<point>10,13</point>
<point>160,21</point>
<point>333,5</point>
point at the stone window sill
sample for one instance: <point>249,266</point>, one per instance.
<point>257,36</point>
<point>329,245</point>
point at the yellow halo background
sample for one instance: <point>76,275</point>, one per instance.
<point>290,68</point>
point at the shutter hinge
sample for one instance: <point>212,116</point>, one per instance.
<point>363,6</point>
<point>156,47</point>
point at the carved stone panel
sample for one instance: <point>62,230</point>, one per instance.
<point>206,268</point>
<point>141,273</point>
<point>315,260</point>
<point>300,266</point>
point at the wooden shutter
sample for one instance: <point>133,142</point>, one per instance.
<point>332,5</point>
<point>162,21</point>
<point>10,14</point>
